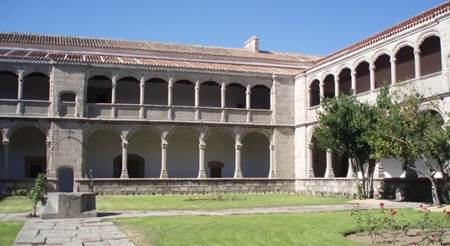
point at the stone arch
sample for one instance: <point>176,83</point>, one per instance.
<point>156,92</point>
<point>103,145</point>
<point>382,70</point>
<point>183,153</point>
<point>260,97</point>
<point>405,67</point>
<point>220,148</point>
<point>8,85</point>
<point>345,81</point>
<point>99,89</point>
<point>91,129</point>
<point>28,152</point>
<point>255,155</point>
<point>328,86</point>
<point>210,94</point>
<point>425,35</point>
<point>401,45</point>
<point>36,86</point>
<point>379,53</point>
<point>127,90</point>
<point>362,76</point>
<point>430,55</point>
<point>183,93</point>
<point>235,96</point>
<point>314,93</point>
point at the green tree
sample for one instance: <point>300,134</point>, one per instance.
<point>342,127</point>
<point>405,133</point>
<point>37,194</point>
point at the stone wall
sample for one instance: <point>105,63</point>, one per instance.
<point>185,186</point>
<point>341,187</point>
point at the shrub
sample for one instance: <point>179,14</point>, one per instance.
<point>38,192</point>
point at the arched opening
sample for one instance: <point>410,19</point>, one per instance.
<point>328,86</point>
<point>65,179</point>
<point>67,103</point>
<point>435,116</point>
<point>155,92</point>
<point>36,86</point>
<point>28,153</point>
<point>255,156</point>
<point>340,165</point>
<point>260,97</point>
<point>235,96</point>
<point>405,64</point>
<point>314,93</point>
<point>183,93</point>
<point>362,77</point>
<point>382,71</point>
<point>135,166</point>
<point>182,155</point>
<point>99,90</point>
<point>430,56</point>
<point>210,95</point>
<point>8,85</point>
<point>127,91</point>
<point>319,159</point>
<point>102,146</point>
<point>220,149</point>
<point>147,145</point>
<point>345,81</point>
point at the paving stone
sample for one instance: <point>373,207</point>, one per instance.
<point>121,242</point>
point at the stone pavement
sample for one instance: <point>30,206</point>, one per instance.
<point>71,232</point>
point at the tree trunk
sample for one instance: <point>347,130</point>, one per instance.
<point>445,181</point>
<point>363,180</point>
<point>370,171</point>
<point>434,192</point>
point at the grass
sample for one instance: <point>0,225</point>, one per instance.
<point>208,202</point>
<point>8,232</point>
<point>15,204</point>
<point>270,229</point>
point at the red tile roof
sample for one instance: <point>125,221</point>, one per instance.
<point>142,61</point>
<point>404,25</point>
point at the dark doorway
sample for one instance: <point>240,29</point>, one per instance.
<point>215,169</point>
<point>65,179</point>
<point>136,166</point>
<point>35,165</point>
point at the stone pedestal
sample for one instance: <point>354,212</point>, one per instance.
<point>69,205</point>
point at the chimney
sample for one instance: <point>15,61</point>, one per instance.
<point>252,44</point>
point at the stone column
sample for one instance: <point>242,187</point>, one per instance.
<point>223,91</point>
<point>48,145</point>
<point>113,96</point>
<point>417,63</point>
<point>393,71</point>
<point>321,90</point>
<point>273,166</point>
<point>329,173</point>
<point>142,98</point>
<point>164,146</point>
<point>353,73</point>
<point>237,150</point>
<point>379,170</point>
<point>309,164</point>
<point>19,109</point>
<point>201,156</point>
<point>248,93</point>
<point>169,98</point>
<point>372,76</point>
<point>273,94</point>
<point>5,144</point>
<point>350,173</point>
<point>124,174</point>
<point>336,86</point>
<point>197,100</point>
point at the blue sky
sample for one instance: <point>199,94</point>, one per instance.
<point>312,27</point>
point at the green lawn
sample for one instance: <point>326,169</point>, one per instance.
<point>15,204</point>
<point>208,202</point>
<point>8,232</point>
<point>270,229</point>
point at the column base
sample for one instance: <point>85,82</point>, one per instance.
<point>237,174</point>
<point>163,174</point>
<point>202,174</point>
<point>329,174</point>
<point>273,174</point>
<point>124,174</point>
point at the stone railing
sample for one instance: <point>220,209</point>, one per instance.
<point>14,107</point>
<point>185,186</point>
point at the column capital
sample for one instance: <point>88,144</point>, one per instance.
<point>417,51</point>
<point>393,60</point>
<point>202,146</point>
<point>372,67</point>
<point>21,74</point>
<point>124,143</point>
<point>272,146</point>
<point>5,142</point>
<point>248,90</point>
<point>238,146</point>
<point>353,72</point>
